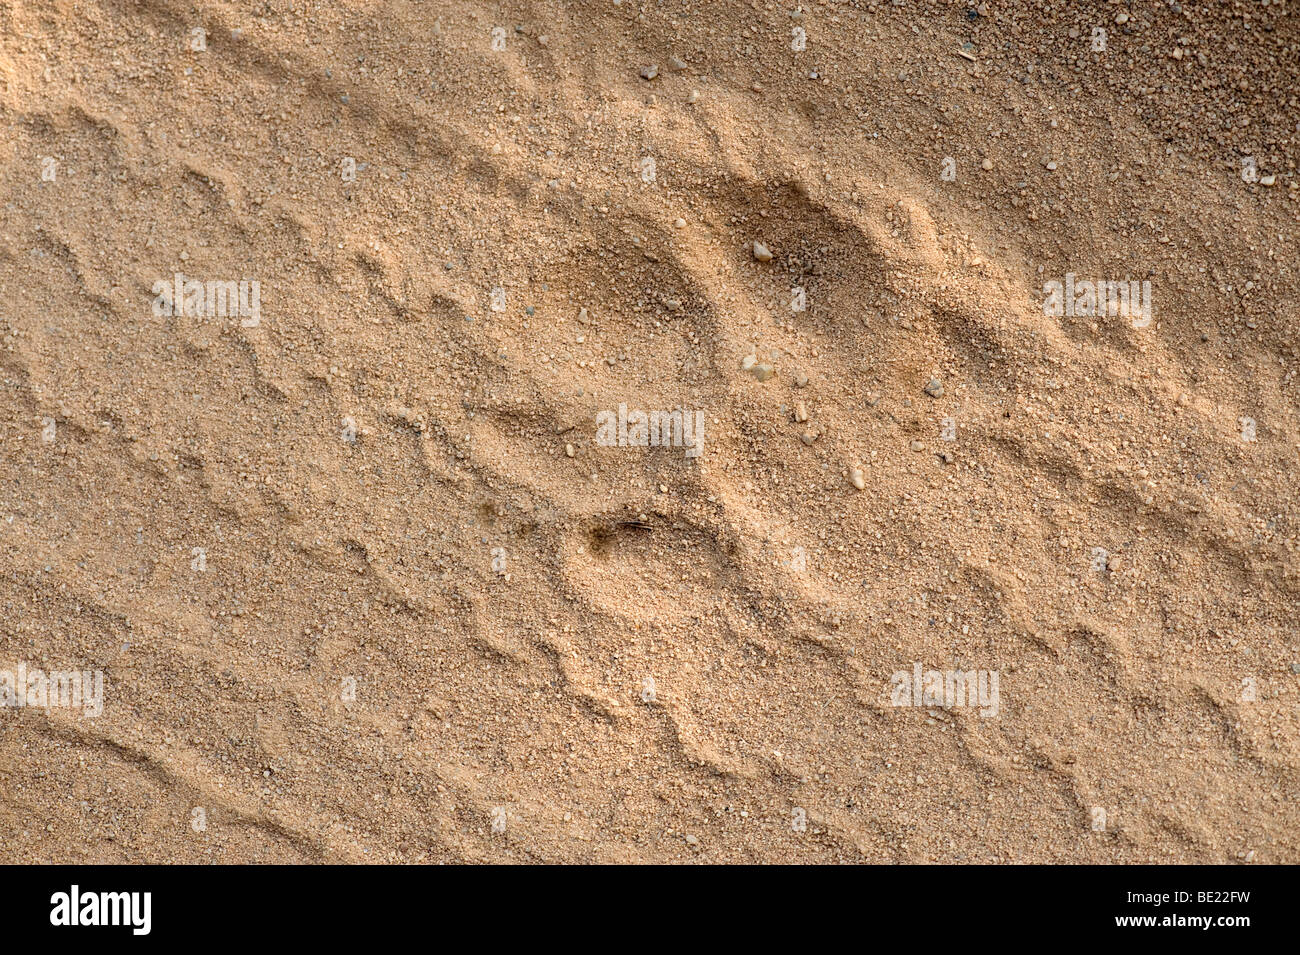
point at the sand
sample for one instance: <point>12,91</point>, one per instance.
<point>364,580</point>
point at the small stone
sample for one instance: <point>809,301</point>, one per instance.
<point>801,380</point>
<point>946,457</point>
<point>762,252</point>
<point>679,223</point>
<point>692,840</point>
<point>568,450</point>
<point>676,64</point>
<point>934,388</point>
<point>800,411</point>
<point>649,72</point>
<point>918,445</point>
<point>1051,167</point>
<point>763,371</point>
<point>1113,563</point>
<point>858,479</point>
<point>748,362</point>
<point>808,437</point>
<point>1268,180</point>
<point>1121,18</point>
<point>986,165</point>
<point>1295,668</point>
<point>694,97</point>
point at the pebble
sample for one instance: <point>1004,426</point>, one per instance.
<point>649,72</point>
<point>763,371</point>
<point>918,445</point>
<point>748,362</point>
<point>800,411</point>
<point>858,479</point>
<point>1267,180</point>
<point>946,457</point>
<point>679,223</point>
<point>986,165</point>
<point>808,437</point>
<point>568,450</point>
<point>694,97</point>
<point>1051,167</point>
<point>1295,668</point>
<point>801,380</point>
<point>676,64</point>
<point>762,252</point>
<point>934,388</point>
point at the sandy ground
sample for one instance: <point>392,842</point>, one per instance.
<point>363,585</point>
